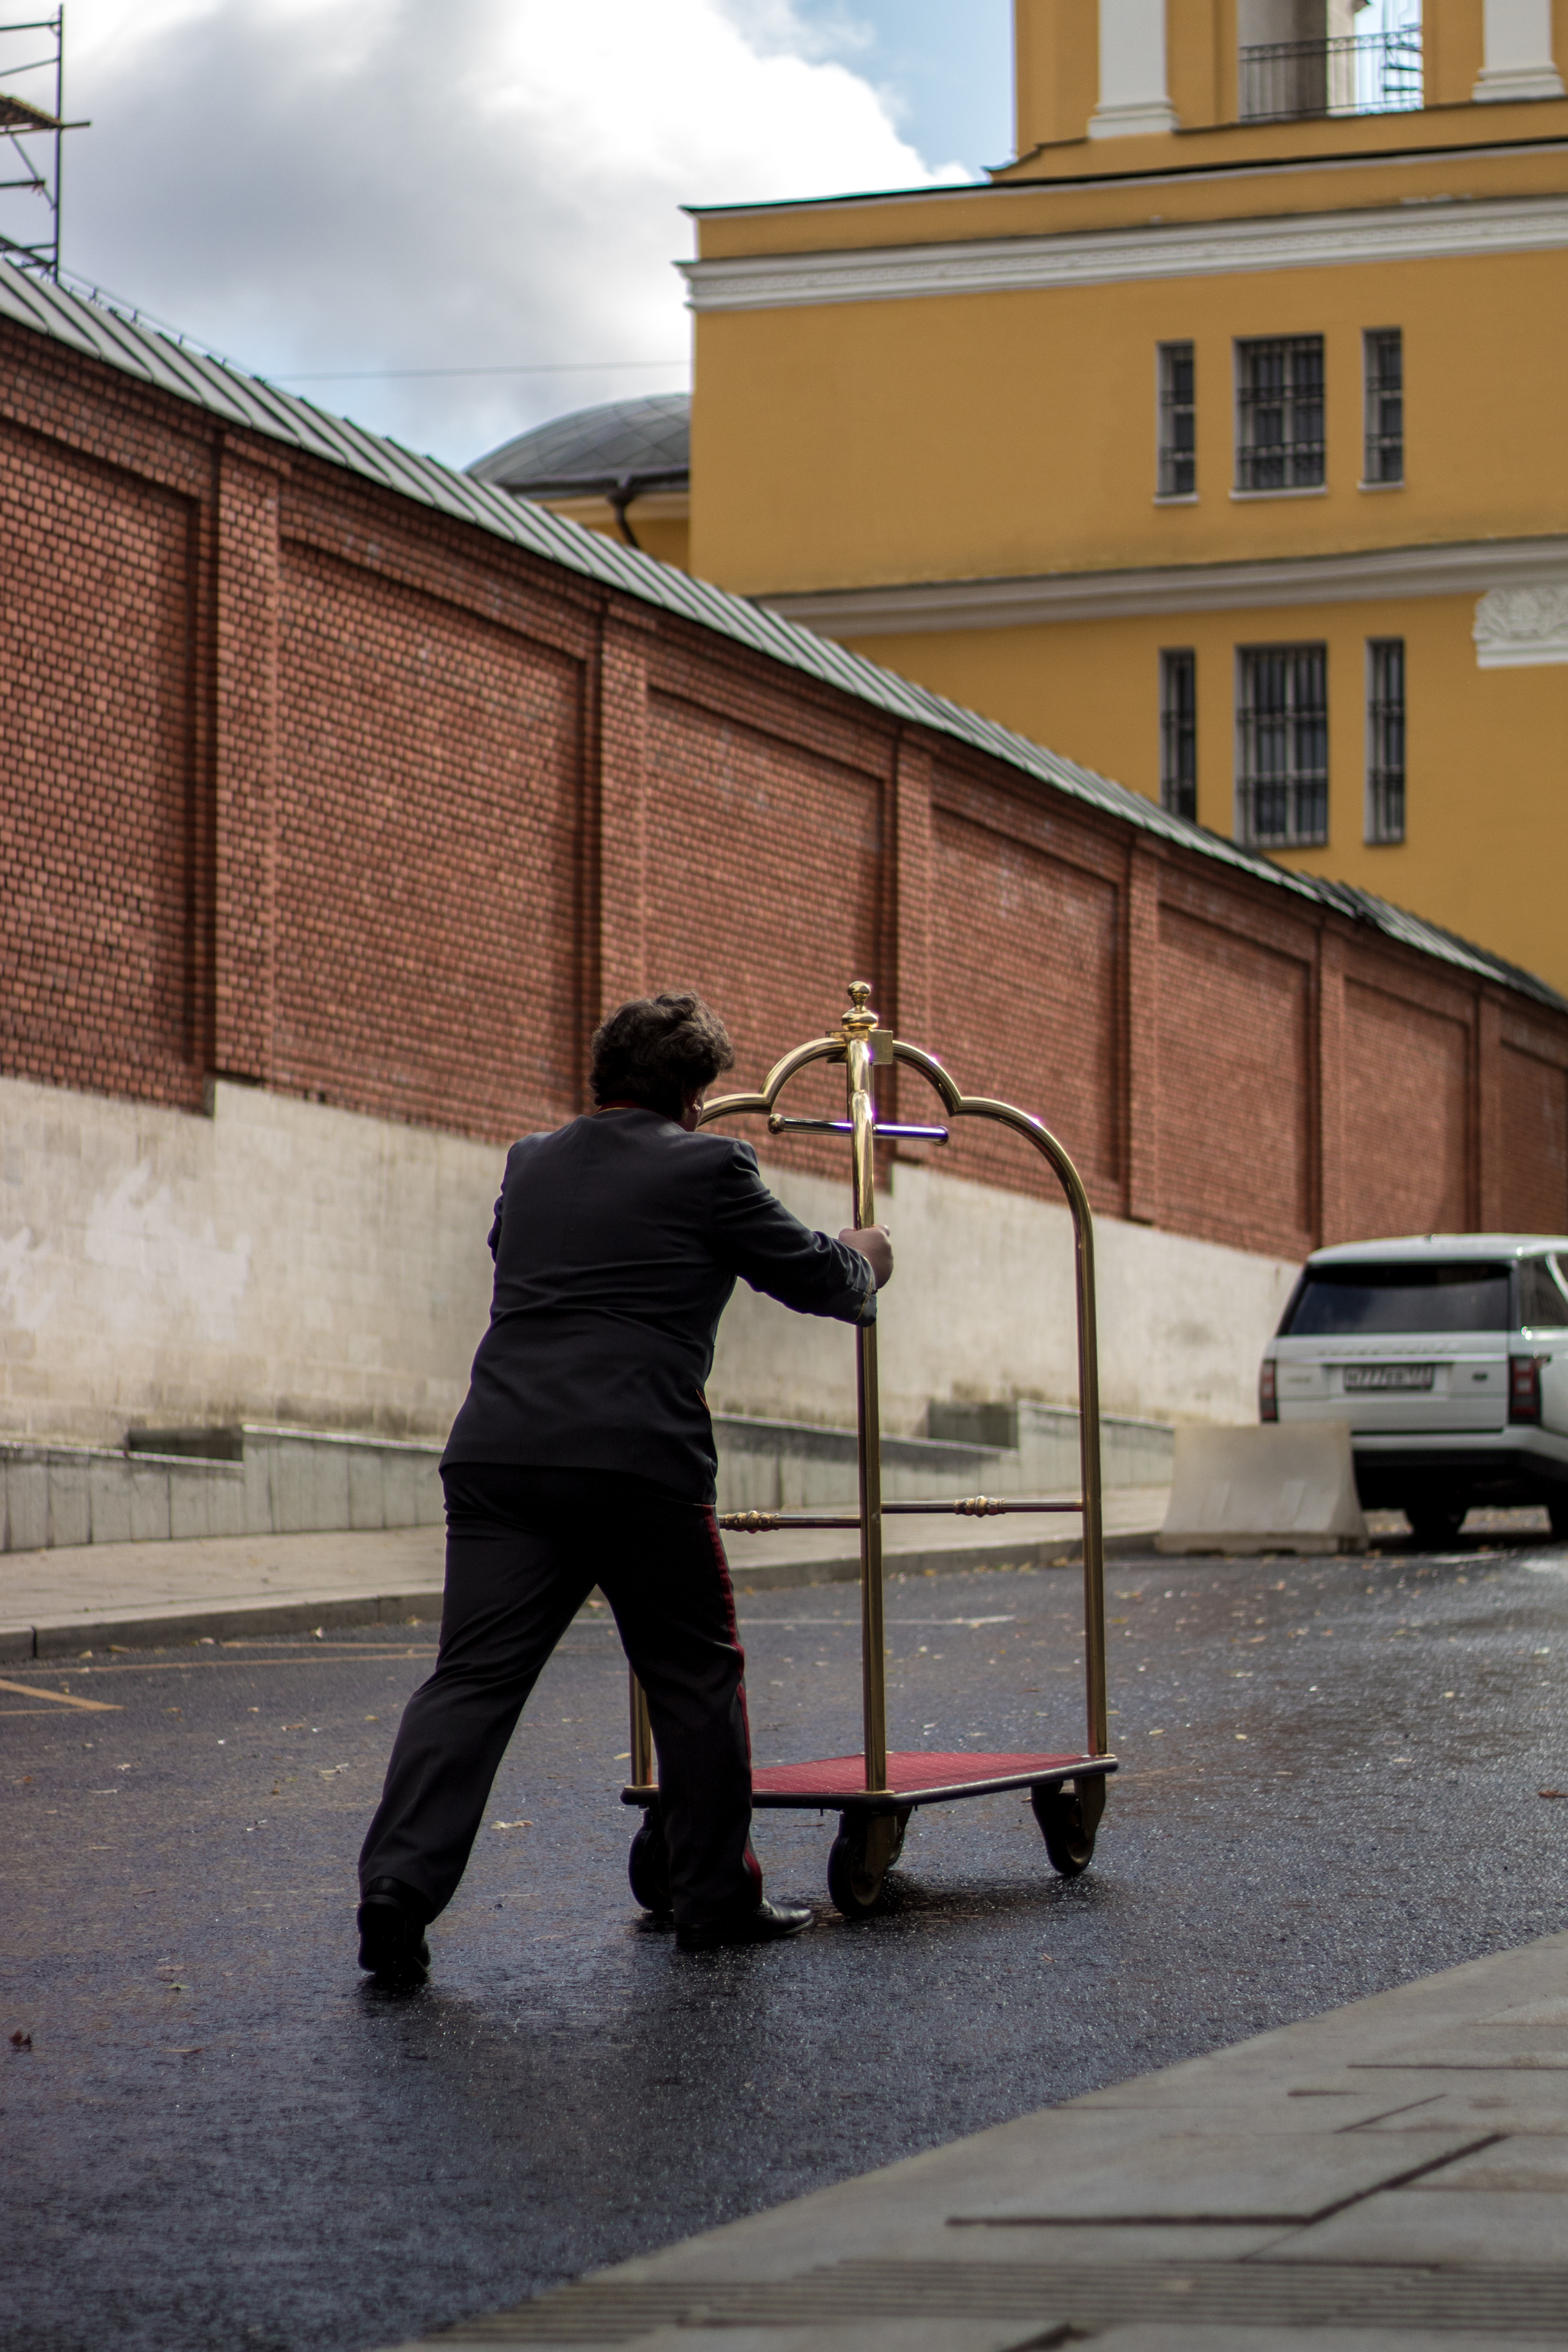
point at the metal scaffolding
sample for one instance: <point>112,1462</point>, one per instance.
<point>32,125</point>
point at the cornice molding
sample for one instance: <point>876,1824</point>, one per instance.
<point>1407,231</point>
<point>1482,568</point>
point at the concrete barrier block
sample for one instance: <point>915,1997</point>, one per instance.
<point>1288,1488</point>
<point>258,1504</point>
<point>226,1492</point>
<point>310,1486</point>
<point>148,1491</point>
<point>109,1488</point>
<point>400,1477</point>
<point>367,1503</point>
<point>429,1498</point>
<point>70,1503</point>
<point>27,1506</point>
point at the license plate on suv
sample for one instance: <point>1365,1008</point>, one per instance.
<point>1389,1376</point>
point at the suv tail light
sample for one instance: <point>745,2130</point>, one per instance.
<point>1267,1402</point>
<point>1525,1387</point>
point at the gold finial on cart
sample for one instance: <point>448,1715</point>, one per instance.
<point>859,1019</point>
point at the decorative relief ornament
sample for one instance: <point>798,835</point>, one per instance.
<point>1518,628</point>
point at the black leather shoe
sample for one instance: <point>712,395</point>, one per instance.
<point>391,1943</point>
<point>766,1925</point>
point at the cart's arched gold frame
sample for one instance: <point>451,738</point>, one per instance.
<point>863,1046</point>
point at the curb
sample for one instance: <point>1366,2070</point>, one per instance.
<point>160,1626</point>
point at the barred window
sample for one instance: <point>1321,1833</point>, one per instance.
<point>1283,748</point>
<point>1279,414</point>
<point>1384,360</point>
<point>1179,733</point>
<point>1386,739</point>
<point>1178,421</point>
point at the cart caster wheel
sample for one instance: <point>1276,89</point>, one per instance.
<point>648,1865</point>
<point>862,1854</point>
<point>1069,1840</point>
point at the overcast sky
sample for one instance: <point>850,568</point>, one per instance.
<point>367,185</point>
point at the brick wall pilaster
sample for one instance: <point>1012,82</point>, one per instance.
<point>910,1010</point>
<point>1141,1124</point>
<point>620,737</point>
<point>244,757</point>
<point>1490,1142</point>
<point>1329,1127</point>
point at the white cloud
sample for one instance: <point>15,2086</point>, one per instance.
<point>362,184</point>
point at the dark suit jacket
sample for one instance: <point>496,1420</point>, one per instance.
<point>617,1241</point>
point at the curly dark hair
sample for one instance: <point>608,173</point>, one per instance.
<point>655,1051</point>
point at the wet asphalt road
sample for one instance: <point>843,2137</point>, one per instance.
<point>222,2136</point>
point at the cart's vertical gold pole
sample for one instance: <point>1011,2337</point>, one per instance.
<point>859,1027</point>
<point>642,1737</point>
<point>1089,1457</point>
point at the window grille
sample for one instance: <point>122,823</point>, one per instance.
<point>1385,370</point>
<point>1386,739</point>
<point>1179,733</point>
<point>1283,750</point>
<point>1280,413</point>
<point>1178,421</point>
<point>1366,73</point>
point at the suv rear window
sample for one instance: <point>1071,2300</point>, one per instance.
<point>1542,1302</point>
<point>1338,1301</point>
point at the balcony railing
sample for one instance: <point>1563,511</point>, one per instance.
<point>1366,73</point>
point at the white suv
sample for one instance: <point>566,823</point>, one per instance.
<point>1447,1354</point>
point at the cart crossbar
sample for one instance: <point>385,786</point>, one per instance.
<point>966,1507</point>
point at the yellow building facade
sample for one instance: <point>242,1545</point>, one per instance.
<point>1220,441</point>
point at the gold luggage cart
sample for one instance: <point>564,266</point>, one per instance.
<point>875,1793</point>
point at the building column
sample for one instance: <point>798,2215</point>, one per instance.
<point>1142,1116</point>
<point>621,848</point>
<point>1134,99</point>
<point>1519,60</point>
<point>244,757</point>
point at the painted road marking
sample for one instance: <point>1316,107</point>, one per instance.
<point>62,1698</point>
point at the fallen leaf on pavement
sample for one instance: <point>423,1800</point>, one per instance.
<point>20,2040</point>
<point>1551,1792</point>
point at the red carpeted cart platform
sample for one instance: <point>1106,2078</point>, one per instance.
<point>875,1792</point>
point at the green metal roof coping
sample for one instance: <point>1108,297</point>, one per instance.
<point>99,332</point>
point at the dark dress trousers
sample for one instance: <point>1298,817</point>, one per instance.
<point>584,1455</point>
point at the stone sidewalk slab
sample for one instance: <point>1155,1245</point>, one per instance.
<point>61,1602</point>
<point>1323,2188</point>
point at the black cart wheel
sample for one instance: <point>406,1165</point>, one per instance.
<point>1436,1519</point>
<point>648,1865</point>
<point>1069,1841</point>
<point>863,1852</point>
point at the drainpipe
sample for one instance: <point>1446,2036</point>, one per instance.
<point>620,499</point>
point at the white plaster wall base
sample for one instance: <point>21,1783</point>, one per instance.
<point>981,1307</point>
<point>282,1262</point>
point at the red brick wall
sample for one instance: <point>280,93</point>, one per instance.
<point>95,800</point>
<point>1535,1120</point>
<point>1235,1082</point>
<point>426,857</point>
<point>312,786</point>
<point>1408,1096</point>
<point>1028,971</point>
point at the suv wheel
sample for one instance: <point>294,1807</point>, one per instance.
<point>1436,1519</point>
